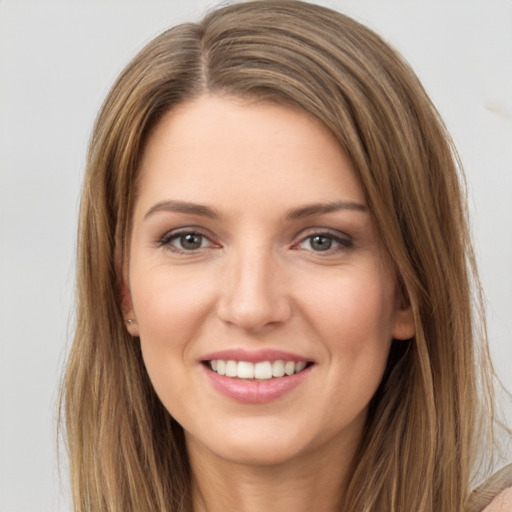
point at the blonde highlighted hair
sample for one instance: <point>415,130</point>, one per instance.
<point>433,407</point>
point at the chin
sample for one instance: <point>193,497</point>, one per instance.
<point>257,452</point>
<point>272,442</point>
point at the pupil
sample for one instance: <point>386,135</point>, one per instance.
<point>321,243</point>
<point>191,241</point>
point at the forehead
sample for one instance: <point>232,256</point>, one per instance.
<point>216,147</point>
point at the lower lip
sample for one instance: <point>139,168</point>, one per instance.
<point>256,391</point>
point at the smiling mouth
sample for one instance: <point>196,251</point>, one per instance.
<point>264,370</point>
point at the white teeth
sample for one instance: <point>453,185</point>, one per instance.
<point>245,370</point>
<point>231,369</point>
<point>278,368</point>
<point>221,367</point>
<point>300,366</point>
<point>289,368</point>
<point>263,370</point>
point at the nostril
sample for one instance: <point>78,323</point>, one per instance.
<point>252,296</point>
<point>253,312</point>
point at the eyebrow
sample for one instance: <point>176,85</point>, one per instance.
<point>322,208</point>
<point>309,210</point>
<point>183,207</point>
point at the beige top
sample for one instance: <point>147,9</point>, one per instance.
<point>494,495</point>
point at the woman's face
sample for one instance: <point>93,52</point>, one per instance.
<point>263,298</point>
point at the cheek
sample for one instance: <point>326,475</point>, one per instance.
<point>168,304</point>
<point>352,314</point>
<point>170,311</point>
<point>349,315</point>
<point>354,319</point>
<point>352,308</point>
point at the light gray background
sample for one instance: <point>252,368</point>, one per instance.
<point>57,61</point>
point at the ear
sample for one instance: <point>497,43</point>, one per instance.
<point>125,296</point>
<point>404,327</point>
<point>127,308</point>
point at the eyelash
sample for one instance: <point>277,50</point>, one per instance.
<point>168,238</point>
<point>343,243</point>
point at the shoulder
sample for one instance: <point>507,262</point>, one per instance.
<point>502,502</point>
<point>494,495</point>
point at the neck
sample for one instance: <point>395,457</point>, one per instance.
<point>313,481</point>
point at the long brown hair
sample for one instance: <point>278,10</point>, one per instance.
<point>420,441</point>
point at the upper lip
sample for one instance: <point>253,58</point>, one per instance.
<point>254,356</point>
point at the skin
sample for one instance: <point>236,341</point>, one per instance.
<point>258,280</point>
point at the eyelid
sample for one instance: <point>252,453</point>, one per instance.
<point>343,239</point>
<point>166,239</point>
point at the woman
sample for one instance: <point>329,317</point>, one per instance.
<point>274,302</point>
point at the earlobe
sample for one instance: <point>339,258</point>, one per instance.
<point>132,327</point>
<point>404,327</point>
<point>127,308</point>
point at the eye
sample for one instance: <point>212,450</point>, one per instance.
<point>325,242</point>
<point>185,241</point>
<point>319,242</point>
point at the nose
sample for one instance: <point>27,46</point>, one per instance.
<point>254,295</point>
